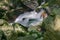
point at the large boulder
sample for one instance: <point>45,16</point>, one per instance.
<point>33,4</point>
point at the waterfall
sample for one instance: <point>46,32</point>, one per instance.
<point>31,18</point>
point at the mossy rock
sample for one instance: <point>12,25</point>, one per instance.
<point>52,26</point>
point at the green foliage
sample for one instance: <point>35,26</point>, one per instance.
<point>11,8</point>
<point>49,25</point>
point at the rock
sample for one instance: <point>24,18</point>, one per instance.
<point>33,4</point>
<point>57,24</point>
<point>1,21</point>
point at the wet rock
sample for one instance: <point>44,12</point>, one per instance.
<point>30,3</point>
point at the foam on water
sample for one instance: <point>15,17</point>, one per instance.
<point>32,18</point>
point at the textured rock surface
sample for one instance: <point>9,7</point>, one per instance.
<point>30,3</point>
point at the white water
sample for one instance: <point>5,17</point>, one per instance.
<point>28,19</point>
<point>32,18</point>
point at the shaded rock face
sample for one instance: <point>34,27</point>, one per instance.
<point>33,4</point>
<point>32,18</point>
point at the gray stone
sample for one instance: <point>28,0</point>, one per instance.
<point>30,3</point>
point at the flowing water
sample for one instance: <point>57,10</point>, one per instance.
<point>31,18</point>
